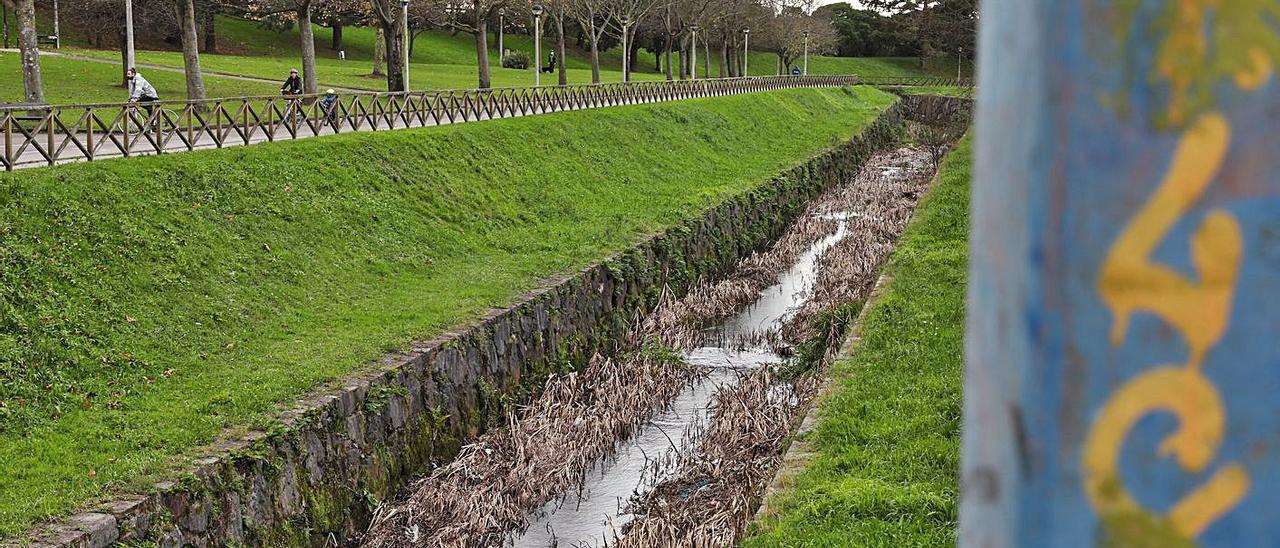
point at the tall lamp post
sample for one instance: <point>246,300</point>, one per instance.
<point>806,53</point>
<point>537,45</point>
<point>57,36</point>
<point>959,60</point>
<point>128,34</point>
<point>693,52</point>
<point>626,52</point>
<point>404,13</point>
<point>746,49</point>
<point>502,14</point>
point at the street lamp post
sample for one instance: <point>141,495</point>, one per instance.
<point>746,49</point>
<point>693,52</point>
<point>806,53</point>
<point>537,45</point>
<point>626,52</point>
<point>128,34</point>
<point>404,13</point>
<point>57,36</point>
<point>959,60</point>
<point>502,14</point>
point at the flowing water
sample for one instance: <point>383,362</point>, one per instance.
<point>592,515</point>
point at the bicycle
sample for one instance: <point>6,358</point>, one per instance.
<point>135,121</point>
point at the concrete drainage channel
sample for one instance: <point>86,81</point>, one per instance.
<point>627,450</point>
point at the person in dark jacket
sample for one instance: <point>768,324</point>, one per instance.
<point>292,86</point>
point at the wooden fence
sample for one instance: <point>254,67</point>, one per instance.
<point>56,134</point>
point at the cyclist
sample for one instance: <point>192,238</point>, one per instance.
<point>140,90</point>
<point>291,89</point>
<point>329,105</point>
<point>292,86</point>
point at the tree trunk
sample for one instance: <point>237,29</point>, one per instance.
<point>337,35</point>
<point>29,45</point>
<point>560,50</point>
<point>482,50</point>
<point>309,76</point>
<point>379,53</point>
<point>635,51</point>
<point>595,57</point>
<point>682,60</point>
<point>191,50</point>
<point>666,51</point>
<point>781,64</point>
<point>921,34</point>
<point>210,34</point>
<point>724,57</point>
<point>124,59</point>
<point>395,55</point>
<point>706,58</point>
<point>735,68</point>
<point>657,62</point>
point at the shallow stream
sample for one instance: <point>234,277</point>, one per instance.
<point>592,515</point>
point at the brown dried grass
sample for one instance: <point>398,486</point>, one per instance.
<point>725,466</point>
<point>487,492</point>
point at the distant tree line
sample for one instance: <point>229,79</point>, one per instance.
<point>903,28</point>
<point>665,28</point>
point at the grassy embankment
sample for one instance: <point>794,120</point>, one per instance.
<point>151,303</point>
<point>887,447</point>
<point>439,61</point>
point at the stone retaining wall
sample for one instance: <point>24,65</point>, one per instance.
<point>316,478</point>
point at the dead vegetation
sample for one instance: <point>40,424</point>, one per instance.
<point>725,466</point>
<point>710,501</point>
<point>487,492</point>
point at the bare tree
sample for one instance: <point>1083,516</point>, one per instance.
<point>29,46</point>
<point>593,17</point>
<point>784,34</point>
<point>387,15</point>
<point>338,14</point>
<point>472,17</point>
<point>635,12</point>
<point>186,12</point>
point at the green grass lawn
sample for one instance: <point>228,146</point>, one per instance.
<point>72,81</point>
<point>887,447</point>
<point>151,303</point>
<point>355,73</point>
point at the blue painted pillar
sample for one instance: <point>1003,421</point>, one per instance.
<point>1123,377</point>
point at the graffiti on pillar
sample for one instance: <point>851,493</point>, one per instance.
<point>1147,395</point>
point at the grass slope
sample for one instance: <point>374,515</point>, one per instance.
<point>887,446</point>
<point>147,304</point>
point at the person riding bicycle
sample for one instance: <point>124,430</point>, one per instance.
<point>329,105</point>
<point>291,90</point>
<point>292,86</point>
<point>140,90</point>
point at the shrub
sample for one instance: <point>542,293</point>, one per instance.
<point>515,59</point>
